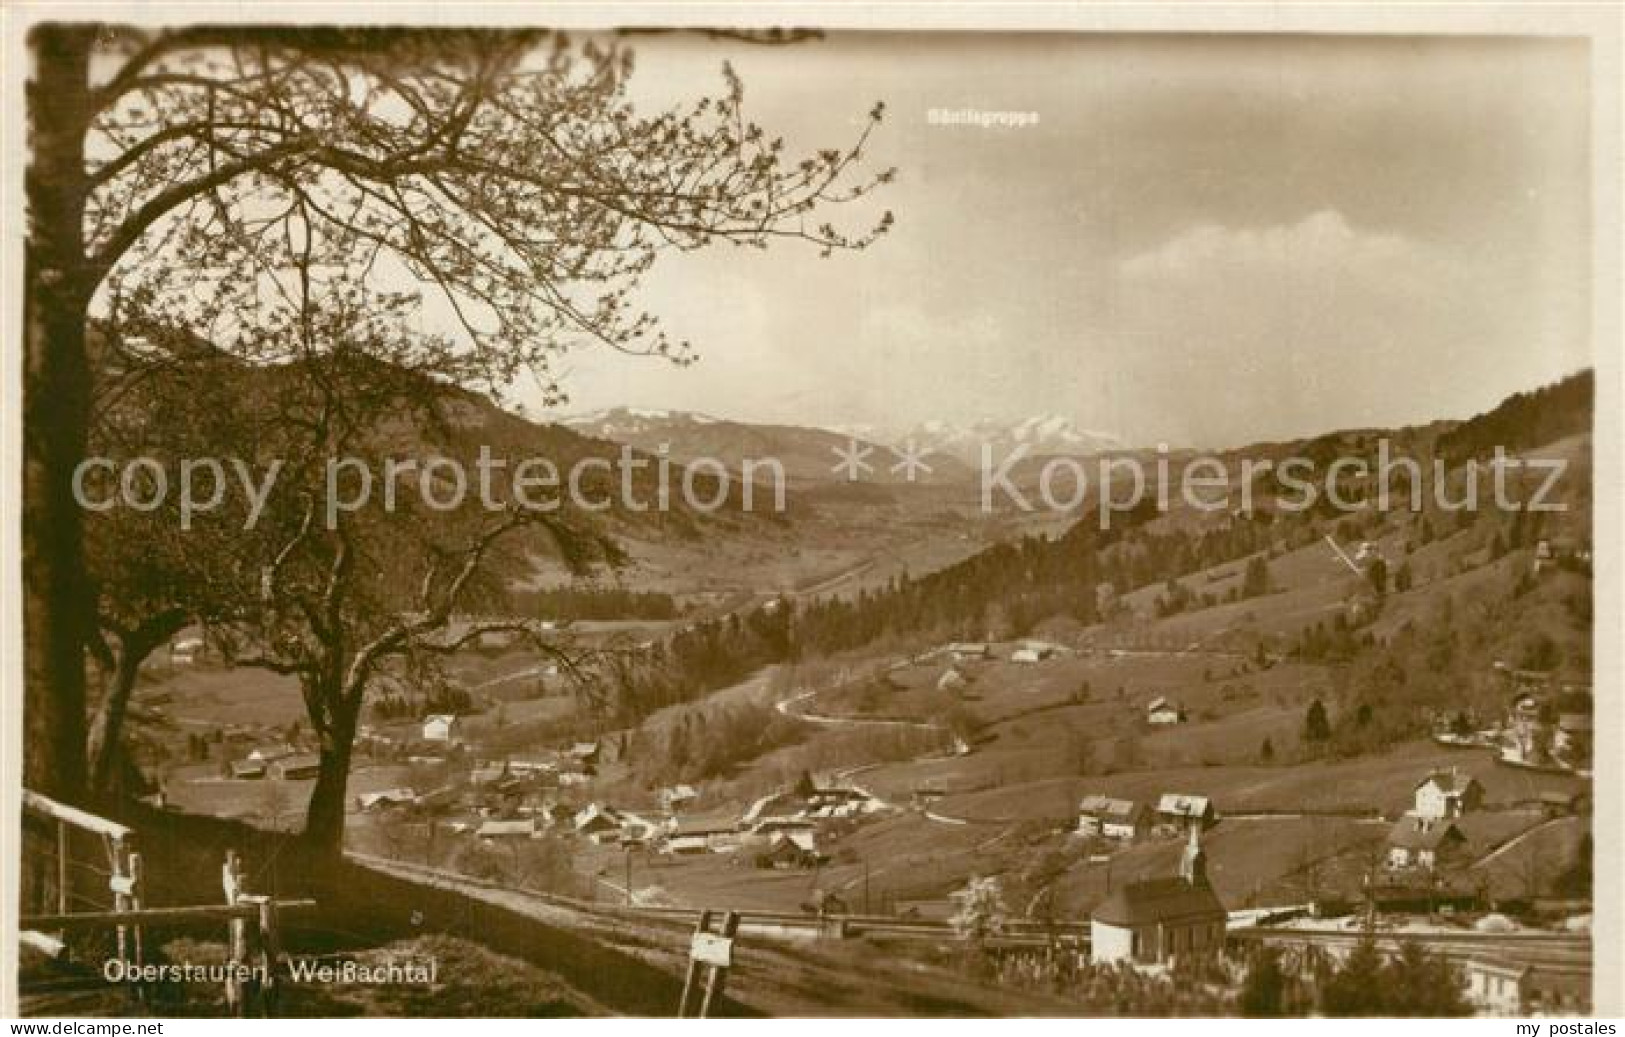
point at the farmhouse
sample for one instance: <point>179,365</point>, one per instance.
<point>963,650</point>
<point>768,827</point>
<point>1423,842</point>
<point>1113,818</point>
<point>1179,809</point>
<point>554,813</point>
<point>1032,652</point>
<point>698,835</point>
<point>572,773</point>
<point>248,770</point>
<point>1560,549</point>
<point>923,798</point>
<point>636,826</point>
<point>522,828</point>
<point>837,802</point>
<point>790,850</point>
<point>584,753</point>
<point>1572,741</point>
<point>597,821</point>
<point>186,651</point>
<point>442,727</point>
<point>1161,711</point>
<point>271,753</point>
<point>296,768</point>
<point>1445,794</point>
<point>678,796</point>
<point>385,798</point>
<point>1154,920</point>
<point>1499,986</point>
<point>1558,804</point>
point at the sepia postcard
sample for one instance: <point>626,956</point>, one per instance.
<point>754,511</point>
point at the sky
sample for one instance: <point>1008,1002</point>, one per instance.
<point>1204,241</point>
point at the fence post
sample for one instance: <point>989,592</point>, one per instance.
<point>693,966</point>
<point>231,880</point>
<point>714,982</point>
<point>120,883</point>
<point>270,953</point>
<point>61,867</point>
<point>137,902</point>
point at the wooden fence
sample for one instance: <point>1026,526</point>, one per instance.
<point>83,874</point>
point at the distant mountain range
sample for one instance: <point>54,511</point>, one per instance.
<point>1043,435</point>
<point>952,451</point>
<point>807,454</point>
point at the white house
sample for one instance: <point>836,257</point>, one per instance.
<point>402,796</point>
<point>296,768</point>
<point>699,835</point>
<point>1496,987</point>
<point>442,727</point>
<point>248,770</point>
<point>951,680</point>
<point>523,828</point>
<point>272,753</point>
<point>1121,819</point>
<point>1450,793</point>
<point>678,796</point>
<point>1423,842</point>
<point>1177,808</point>
<point>596,821</point>
<point>1161,711</point>
<point>1033,651</point>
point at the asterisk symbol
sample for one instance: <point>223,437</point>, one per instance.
<point>852,463</point>
<point>912,460</point>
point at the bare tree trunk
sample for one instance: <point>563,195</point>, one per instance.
<point>324,818</point>
<point>56,401</point>
<point>107,728</point>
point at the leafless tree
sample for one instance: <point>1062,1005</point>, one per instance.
<point>505,171</point>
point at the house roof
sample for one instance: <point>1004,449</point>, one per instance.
<point>714,824</point>
<point>1159,900</point>
<point>440,718</point>
<point>768,824</point>
<point>593,812</point>
<point>300,762</point>
<point>497,828</point>
<point>401,794</point>
<point>1181,805</point>
<point>1499,966</point>
<point>1450,781</point>
<point>799,842</point>
<point>1105,806</point>
<point>1415,833</point>
<point>1156,704</point>
<point>1575,723</point>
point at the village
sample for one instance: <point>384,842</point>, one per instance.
<point>805,846</point>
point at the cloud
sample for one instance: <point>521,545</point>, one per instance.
<point>1320,244</point>
<point>1289,328</point>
